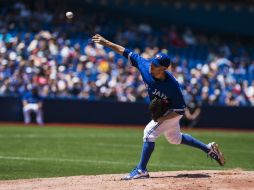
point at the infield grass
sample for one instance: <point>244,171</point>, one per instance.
<point>33,152</point>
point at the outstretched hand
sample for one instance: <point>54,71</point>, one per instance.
<point>97,38</point>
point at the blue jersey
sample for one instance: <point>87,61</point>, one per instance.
<point>167,89</point>
<point>31,98</point>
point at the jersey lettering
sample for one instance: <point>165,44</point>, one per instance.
<point>159,94</point>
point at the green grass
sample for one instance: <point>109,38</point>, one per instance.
<point>31,152</point>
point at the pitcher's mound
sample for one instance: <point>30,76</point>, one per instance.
<point>180,180</point>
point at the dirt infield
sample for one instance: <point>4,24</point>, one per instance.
<point>181,180</point>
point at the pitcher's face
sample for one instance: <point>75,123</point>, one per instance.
<point>158,71</point>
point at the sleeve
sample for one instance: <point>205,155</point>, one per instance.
<point>134,59</point>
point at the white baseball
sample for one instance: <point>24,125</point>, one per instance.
<point>69,15</point>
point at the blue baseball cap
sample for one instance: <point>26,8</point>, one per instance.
<point>161,59</point>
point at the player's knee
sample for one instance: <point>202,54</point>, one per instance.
<point>148,137</point>
<point>175,139</point>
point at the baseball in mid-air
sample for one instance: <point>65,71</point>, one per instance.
<point>69,14</point>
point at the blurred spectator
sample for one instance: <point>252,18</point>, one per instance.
<point>188,37</point>
<point>192,113</point>
<point>43,49</point>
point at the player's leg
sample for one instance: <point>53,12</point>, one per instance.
<point>39,116</point>
<point>174,136</point>
<point>151,132</point>
<point>147,149</point>
<point>27,114</point>
<point>38,112</point>
<point>211,149</point>
<point>172,132</point>
<point>149,138</point>
<point>191,141</point>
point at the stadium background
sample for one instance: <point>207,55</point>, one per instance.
<point>210,43</point>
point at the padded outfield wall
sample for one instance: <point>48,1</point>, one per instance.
<point>105,112</point>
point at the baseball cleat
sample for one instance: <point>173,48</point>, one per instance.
<point>216,154</point>
<point>136,173</point>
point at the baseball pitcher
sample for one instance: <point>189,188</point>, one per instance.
<point>167,107</point>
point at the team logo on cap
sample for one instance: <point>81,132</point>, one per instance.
<point>158,56</point>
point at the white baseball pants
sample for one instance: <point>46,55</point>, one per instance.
<point>170,128</point>
<point>28,109</point>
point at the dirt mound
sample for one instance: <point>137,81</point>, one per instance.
<point>180,180</point>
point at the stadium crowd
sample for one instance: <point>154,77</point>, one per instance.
<point>41,48</point>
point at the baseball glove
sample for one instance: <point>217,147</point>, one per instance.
<point>158,108</point>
